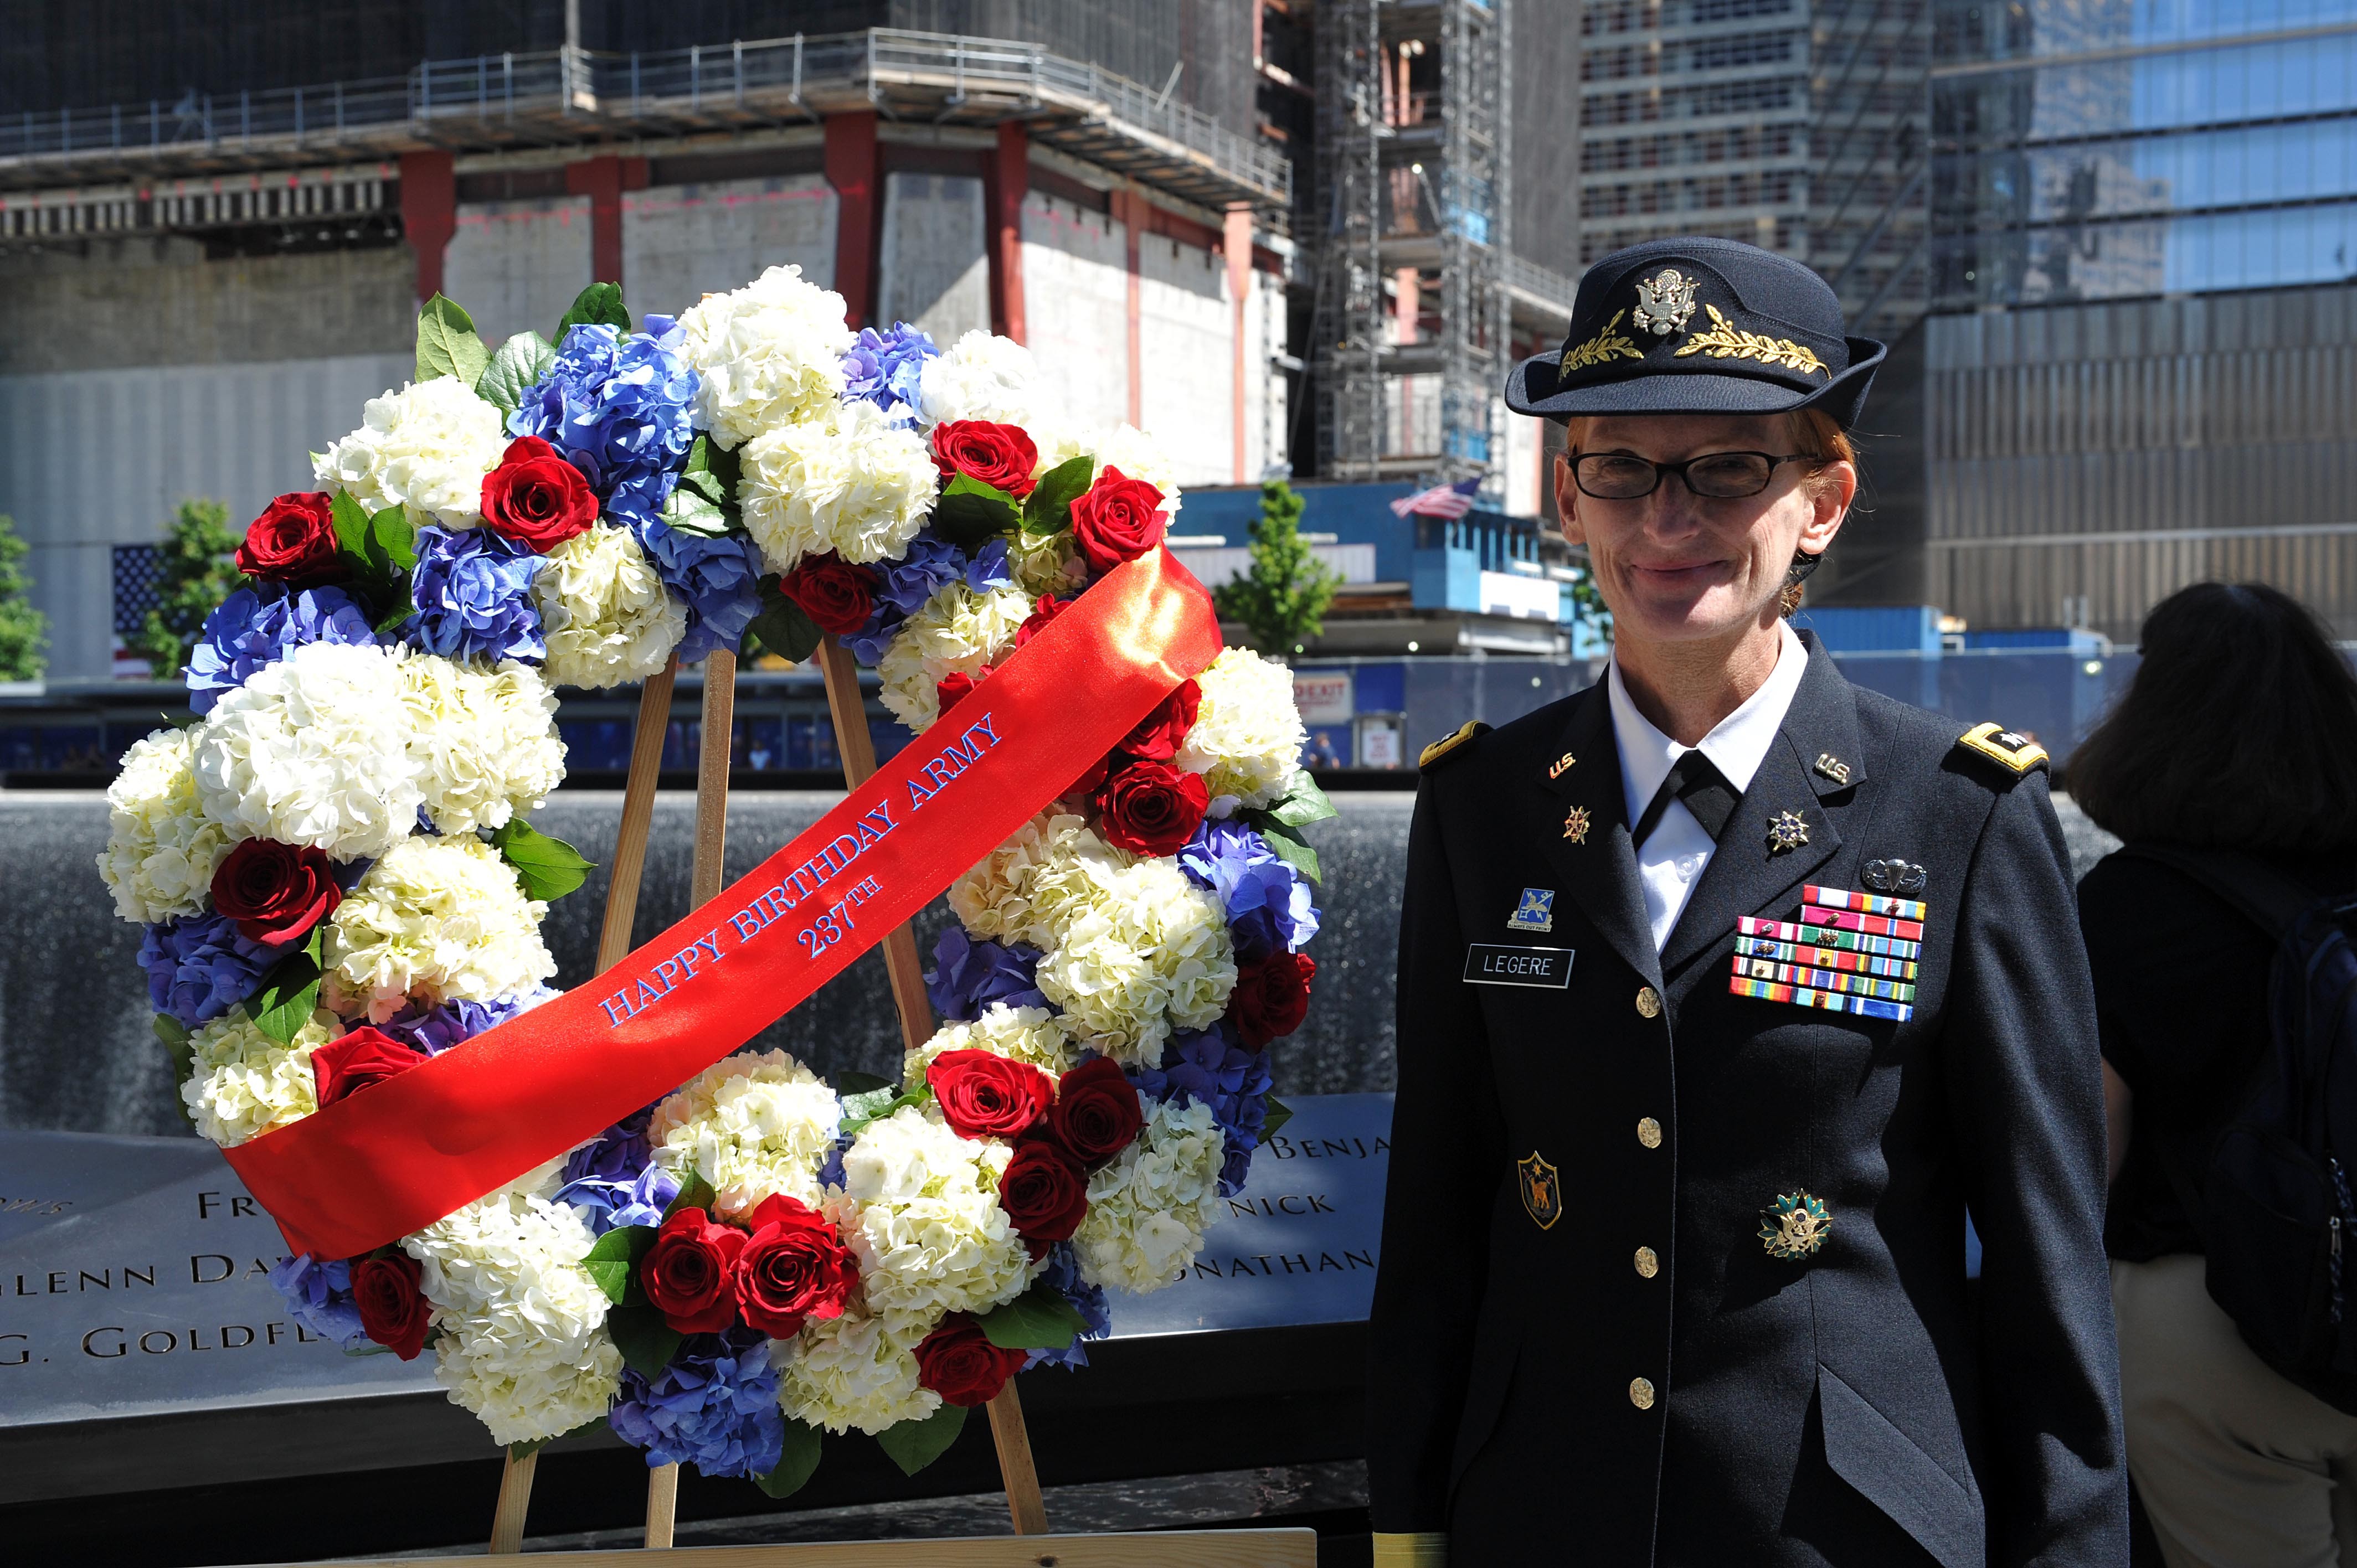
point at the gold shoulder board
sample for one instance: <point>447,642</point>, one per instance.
<point>1440,748</point>
<point>2018,754</point>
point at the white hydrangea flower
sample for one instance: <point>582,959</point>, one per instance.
<point>1145,952</point>
<point>485,740</point>
<point>1031,1034</point>
<point>314,750</point>
<point>956,632</point>
<point>1139,456</point>
<point>425,447</point>
<point>847,479</point>
<point>1026,888</point>
<point>523,1342</point>
<point>161,848</point>
<point>1148,1208</point>
<point>1247,737</point>
<point>243,1083</point>
<point>919,1206</point>
<point>851,1371</point>
<point>1047,563</point>
<point>982,376</point>
<point>751,1125</point>
<point>769,353</point>
<point>436,920</point>
<point>603,611</point>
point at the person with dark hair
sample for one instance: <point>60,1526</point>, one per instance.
<point>1725,988</point>
<point>2236,742</point>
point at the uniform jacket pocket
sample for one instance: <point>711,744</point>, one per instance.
<point>1886,1467</point>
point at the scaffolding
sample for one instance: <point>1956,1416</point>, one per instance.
<point>1410,319</point>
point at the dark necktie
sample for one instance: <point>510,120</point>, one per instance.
<point>1704,789</point>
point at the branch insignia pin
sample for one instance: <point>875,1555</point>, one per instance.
<point>1787,831</point>
<point>1575,826</point>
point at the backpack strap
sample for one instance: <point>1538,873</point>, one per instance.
<point>2262,895</point>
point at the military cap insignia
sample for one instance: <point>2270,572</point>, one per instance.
<point>2018,754</point>
<point>1833,767</point>
<point>1556,769</point>
<point>1895,876</point>
<point>1796,1227</point>
<point>1440,748</point>
<point>1723,340</point>
<point>1664,302</point>
<point>1542,1190</point>
<point>1610,343</point>
<point>1787,831</point>
<point>1575,824</point>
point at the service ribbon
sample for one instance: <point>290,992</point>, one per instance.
<point>403,1152</point>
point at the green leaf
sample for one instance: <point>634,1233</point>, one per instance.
<point>523,362</point>
<point>693,512</point>
<point>913,1445</point>
<point>394,619</point>
<point>1049,507</point>
<point>1306,804</point>
<point>351,521</point>
<point>1039,1319</point>
<point>600,303</point>
<point>1279,1114</point>
<point>858,1082</point>
<point>392,542</point>
<point>368,1349</point>
<point>781,626</point>
<point>859,1109</point>
<point>646,1341</point>
<point>711,473</point>
<point>290,992</point>
<point>971,512</point>
<point>447,343</point>
<point>613,1263</point>
<point>545,867</point>
<point>1287,844</point>
<point>796,1464</point>
<point>174,1035</point>
<point>694,1192</point>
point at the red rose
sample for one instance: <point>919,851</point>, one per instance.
<point>795,1267</point>
<point>1047,610</point>
<point>1118,520</point>
<point>1271,997</point>
<point>1000,454</point>
<point>983,1095</point>
<point>349,1063</point>
<point>1045,1192</point>
<point>536,498</point>
<point>293,541</point>
<point>958,1362</point>
<point>1160,732</point>
<point>1091,779</point>
<point>275,891</point>
<point>1151,808</point>
<point>837,595</point>
<point>951,690</point>
<point>686,1274</point>
<point>1096,1111</point>
<point>393,1311</point>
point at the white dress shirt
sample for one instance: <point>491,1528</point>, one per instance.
<point>1671,860</point>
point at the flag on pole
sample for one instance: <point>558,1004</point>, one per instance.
<point>1451,501</point>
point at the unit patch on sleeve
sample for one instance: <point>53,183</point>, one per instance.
<point>2018,754</point>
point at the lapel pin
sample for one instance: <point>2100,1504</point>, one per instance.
<point>1895,876</point>
<point>1833,767</point>
<point>1560,763</point>
<point>1575,826</point>
<point>1787,831</point>
<point>1536,912</point>
<point>1796,1227</point>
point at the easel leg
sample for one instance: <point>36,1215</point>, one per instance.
<point>613,946</point>
<point>857,750</point>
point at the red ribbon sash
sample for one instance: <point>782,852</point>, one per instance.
<point>401,1154</point>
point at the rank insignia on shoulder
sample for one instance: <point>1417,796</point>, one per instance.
<point>2018,754</point>
<point>1796,1227</point>
<point>1542,1190</point>
<point>1535,912</point>
<point>1441,748</point>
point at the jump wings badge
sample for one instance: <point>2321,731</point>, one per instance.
<point>1542,1190</point>
<point>1664,301</point>
<point>1795,1228</point>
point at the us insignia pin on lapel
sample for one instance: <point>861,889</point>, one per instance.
<point>1542,1190</point>
<point>1554,769</point>
<point>1796,1227</point>
<point>1536,912</point>
<point>1575,826</point>
<point>1787,831</point>
<point>1833,767</point>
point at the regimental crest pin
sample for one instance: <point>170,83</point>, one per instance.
<point>1787,831</point>
<point>1542,1190</point>
<point>1664,301</point>
<point>1536,912</point>
<point>1796,1227</point>
<point>1575,825</point>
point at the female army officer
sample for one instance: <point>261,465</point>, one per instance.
<point>1725,989</point>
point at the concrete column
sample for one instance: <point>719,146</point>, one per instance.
<point>853,166</point>
<point>429,213</point>
<point>1235,245</point>
<point>603,180</point>
<point>1004,187</point>
<point>1129,210</point>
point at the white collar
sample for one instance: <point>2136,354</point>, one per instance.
<point>1736,745</point>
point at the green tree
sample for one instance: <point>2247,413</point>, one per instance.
<point>24,631</point>
<point>1283,597</point>
<point>199,574</point>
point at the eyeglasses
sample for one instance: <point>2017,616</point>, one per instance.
<point>1720,476</point>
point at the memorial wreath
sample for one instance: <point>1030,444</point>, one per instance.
<point>576,1200</point>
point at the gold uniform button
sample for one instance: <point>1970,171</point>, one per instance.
<point>1648,1264</point>
<point>1648,1131</point>
<point>1640,1393</point>
<point>1649,1003</point>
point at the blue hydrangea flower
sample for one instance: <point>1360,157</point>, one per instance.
<point>830,1169</point>
<point>319,1297</point>
<point>611,1180</point>
<point>1206,1066</point>
<point>620,407</point>
<point>714,1407</point>
<point>884,368</point>
<point>902,587</point>
<point>1062,1273</point>
<point>473,589</point>
<point>434,1030</point>
<point>968,976</point>
<point>198,966</point>
<point>719,580</point>
<point>251,629</point>
<point>1266,901</point>
<point>988,569</point>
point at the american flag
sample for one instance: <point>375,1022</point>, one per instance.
<point>1451,501</point>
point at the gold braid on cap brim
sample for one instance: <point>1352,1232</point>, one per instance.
<point>1609,344</point>
<point>1726,341</point>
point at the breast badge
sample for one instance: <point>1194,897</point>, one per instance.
<point>1848,952</point>
<point>1894,875</point>
<point>1542,1190</point>
<point>1795,1228</point>
<point>1575,825</point>
<point>1535,912</point>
